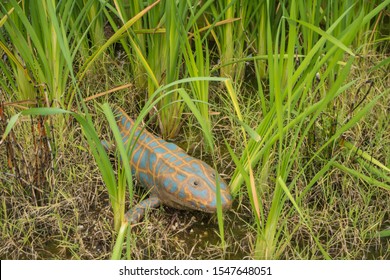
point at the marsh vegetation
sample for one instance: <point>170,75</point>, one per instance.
<point>288,100</point>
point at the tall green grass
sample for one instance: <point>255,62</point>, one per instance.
<point>41,43</point>
<point>160,43</point>
<point>295,102</point>
<point>156,53</point>
<point>302,53</point>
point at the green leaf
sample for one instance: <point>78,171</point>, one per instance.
<point>12,121</point>
<point>384,233</point>
<point>326,35</point>
<point>361,176</point>
<point>44,111</point>
<point>365,155</point>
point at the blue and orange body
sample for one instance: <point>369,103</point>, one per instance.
<point>173,177</point>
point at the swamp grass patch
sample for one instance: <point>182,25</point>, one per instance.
<point>77,222</point>
<point>300,126</point>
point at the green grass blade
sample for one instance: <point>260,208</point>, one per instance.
<point>365,155</point>
<point>11,123</point>
<point>361,176</point>
<point>384,233</point>
<point>117,250</point>
<point>125,163</point>
<point>114,38</point>
<point>325,35</point>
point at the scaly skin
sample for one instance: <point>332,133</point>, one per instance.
<point>172,177</point>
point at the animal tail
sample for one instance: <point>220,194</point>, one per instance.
<point>124,122</point>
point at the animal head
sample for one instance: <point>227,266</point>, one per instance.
<point>191,183</point>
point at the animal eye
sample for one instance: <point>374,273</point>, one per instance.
<point>213,175</point>
<point>195,183</point>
